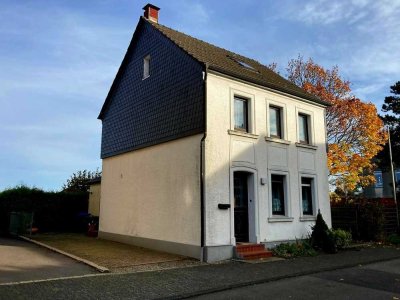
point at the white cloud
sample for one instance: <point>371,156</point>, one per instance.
<point>364,91</point>
<point>326,12</point>
<point>362,37</point>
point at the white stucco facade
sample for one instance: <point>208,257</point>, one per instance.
<point>152,197</point>
<point>227,151</point>
<point>153,194</point>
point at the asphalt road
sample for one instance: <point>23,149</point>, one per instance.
<point>375,281</point>
<point>23,261</point>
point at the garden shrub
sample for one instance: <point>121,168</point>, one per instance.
<point>291,250</point>
<point>342,238</point>
<point>393,239</point>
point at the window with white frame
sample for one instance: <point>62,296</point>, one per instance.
<point>241,114</point>
<point>307,195</point>
<point>275,122</point>
<point>146,67</point>
<point>278,195</point>
<point>304,128</point>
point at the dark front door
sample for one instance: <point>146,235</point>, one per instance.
<point>241,214</point>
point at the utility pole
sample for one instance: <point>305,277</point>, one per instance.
<point>393,179</point>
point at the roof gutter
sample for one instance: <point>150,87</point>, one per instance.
<point>202,166</point>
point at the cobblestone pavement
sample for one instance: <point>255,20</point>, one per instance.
<point>374,281</point>
<point>192,281</point>
<point>21,261</point>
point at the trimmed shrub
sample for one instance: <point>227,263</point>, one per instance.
<point>321,237</point>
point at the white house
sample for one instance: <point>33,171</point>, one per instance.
<point>203,148</point>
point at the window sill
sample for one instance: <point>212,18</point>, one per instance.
<point>307,146</point>
<point>276,140</point>
<point>242,133</point>
<point>280,219</point>
<point>307,218</point>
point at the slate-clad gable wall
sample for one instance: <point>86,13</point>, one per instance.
<point>167,105</point>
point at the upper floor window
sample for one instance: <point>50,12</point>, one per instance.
<point>275,122</point>
<point>241,114</point>
<point>146,67</point>
<point>307,195</point>
<point>304,127</point>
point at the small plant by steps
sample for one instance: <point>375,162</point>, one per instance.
<point>296,249</point>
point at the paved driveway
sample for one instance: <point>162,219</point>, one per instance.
<point>23,261</point>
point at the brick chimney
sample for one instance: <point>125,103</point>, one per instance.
<point>151,12</point>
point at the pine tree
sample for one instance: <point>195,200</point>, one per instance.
<point>391,108</point>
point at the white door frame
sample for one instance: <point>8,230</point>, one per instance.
<point>252,204</point>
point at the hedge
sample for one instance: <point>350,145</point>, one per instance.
<point>53,211</point>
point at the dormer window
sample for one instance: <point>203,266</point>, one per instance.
<point>146,67</point>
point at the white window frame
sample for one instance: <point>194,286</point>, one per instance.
<point>250,112</point>
<point>284,129</point>
<point>286,189</point>
<point>245,102</point>
<point>314,193</point>
<point>310,121</point>
<point>146,66</point>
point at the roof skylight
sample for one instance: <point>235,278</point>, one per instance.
<point>242,63</point>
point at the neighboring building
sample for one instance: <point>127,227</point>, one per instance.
<point>383,187</point>
<point>94,196</point>
<point>203,148</point>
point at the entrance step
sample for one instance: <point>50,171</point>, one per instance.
<point>248,251</point>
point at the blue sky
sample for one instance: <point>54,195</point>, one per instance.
<point>59,58</point>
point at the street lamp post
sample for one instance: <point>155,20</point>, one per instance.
<point>393,179</point>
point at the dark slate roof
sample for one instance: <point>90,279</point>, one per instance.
<point>232,64</point>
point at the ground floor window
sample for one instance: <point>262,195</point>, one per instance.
<point>307,195</point>
<point>278,194</point>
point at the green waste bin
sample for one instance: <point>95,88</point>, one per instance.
<point>20,222</point>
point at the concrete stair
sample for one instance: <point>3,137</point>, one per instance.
<point>248,251</point>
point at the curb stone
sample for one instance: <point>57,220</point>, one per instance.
<point>99,268</point>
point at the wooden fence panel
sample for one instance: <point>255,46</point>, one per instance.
<point>390,225</point>
<point>347,217</point>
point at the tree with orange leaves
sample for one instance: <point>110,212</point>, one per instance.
<point>354,130</point>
